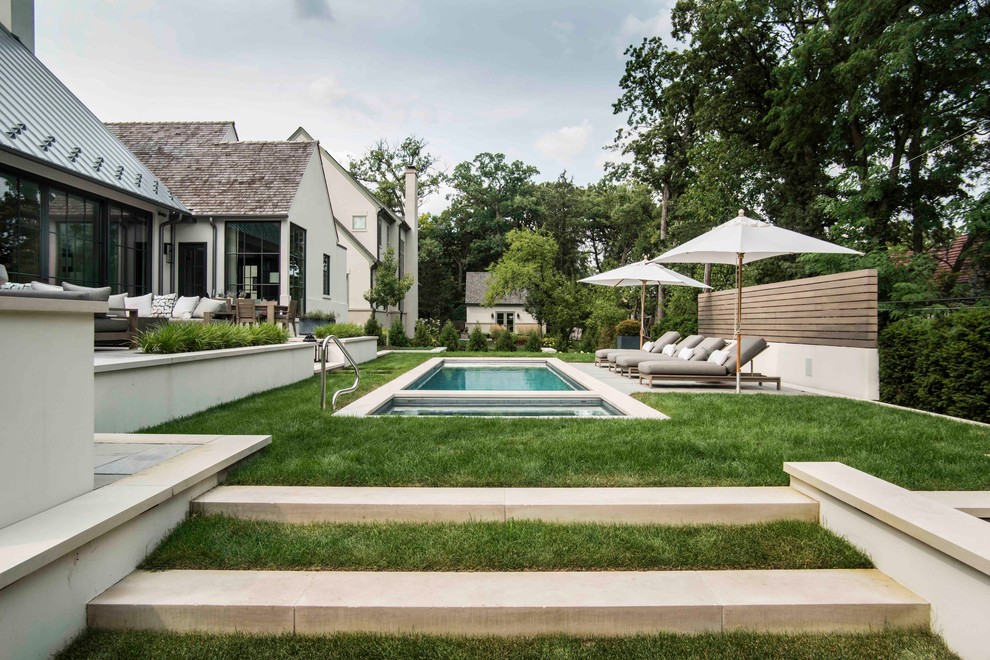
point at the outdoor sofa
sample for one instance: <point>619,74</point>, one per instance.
<point>707,371</point>
<point>605,355</point>
<point>621,363</point>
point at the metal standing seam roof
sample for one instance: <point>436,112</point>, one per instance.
<point>476,286</point>
<point>217,176</point>
<point>42,120</point>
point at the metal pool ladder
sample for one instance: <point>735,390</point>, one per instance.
<point>323,373</point>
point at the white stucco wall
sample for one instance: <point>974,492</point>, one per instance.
<point>483,316</point>
<point>46,404</point>
<point>853,372</point>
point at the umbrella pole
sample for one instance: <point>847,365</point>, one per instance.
<point>642,311</point>
<point>739,266</point>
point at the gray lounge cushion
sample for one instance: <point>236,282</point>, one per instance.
<point>110,324</point>
<point>632,359</point>
<point>602,352</point>
<point>99,294</point>
<point>44,286</point>
<point>681,368</point>
<point>35,293</point>
<point>668,337</point>
<point>705,348</point>
<point>751,347</point>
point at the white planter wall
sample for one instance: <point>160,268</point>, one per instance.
<point>362,349</point>
<point>853,372</point>
<point>135,392</point>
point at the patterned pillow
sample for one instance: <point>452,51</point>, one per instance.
<point>14,286</point>
<point>161,306</point>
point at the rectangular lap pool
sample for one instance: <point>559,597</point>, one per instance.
<point>498,387</point>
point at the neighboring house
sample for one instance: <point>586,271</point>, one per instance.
<point>508,312</point>
<point>260,222</point>
<point>75,204</point>
<point>367,227</point>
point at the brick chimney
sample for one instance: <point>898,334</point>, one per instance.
<point>18,17</point>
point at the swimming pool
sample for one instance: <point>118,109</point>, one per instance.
<point>496,377</point>
<point>498,387</point>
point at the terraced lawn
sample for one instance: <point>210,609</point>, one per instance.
<point>712,439</point>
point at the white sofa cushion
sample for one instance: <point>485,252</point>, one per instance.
<point>184,306</point>
<point>141,303</point>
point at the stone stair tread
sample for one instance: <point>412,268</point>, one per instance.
<point>601,603</point>
<point>660,505</point>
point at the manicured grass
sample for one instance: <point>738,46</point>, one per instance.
<point>713,439</point>
<point>222,543</point>
<point>103,645</point>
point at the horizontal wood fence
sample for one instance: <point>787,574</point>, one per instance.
<point>832,310</point>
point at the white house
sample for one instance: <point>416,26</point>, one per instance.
<point>508,312</point>
<point>260,223</point>
<point>367,227</point>
<point>75,204</point>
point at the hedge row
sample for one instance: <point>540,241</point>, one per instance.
<point>938,364</point>
<point>191,336</point>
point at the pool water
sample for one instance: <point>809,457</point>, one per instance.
<point>528,378</point>
<point>496,407</point>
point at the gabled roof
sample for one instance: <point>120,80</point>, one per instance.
<point>372,259</point>
<point>42,120</point>
<point>391,215</point>
<point>476,286</point>
<point>215,176</point>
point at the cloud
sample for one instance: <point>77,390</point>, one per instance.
<point>634,28</point>
<point>562,31</point>
<point>317,10</point>
<point>565,143</point>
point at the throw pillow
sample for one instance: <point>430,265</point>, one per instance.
<point>669,350</point>
<point>648,346</point>
<point>14,286</point>
<point>686,353</point>
<point>99,294</point>
<point>161,306</point>
<point>117,302</point>
<point>208,305</point>
<point>719,357</point>
<point>184,305</point>
<point>141,303</point>
<point>41,286</point>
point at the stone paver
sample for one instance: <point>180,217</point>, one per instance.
<point>598,603</point>
<point>610,505</point>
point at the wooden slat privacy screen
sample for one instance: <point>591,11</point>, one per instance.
<point>832,310</point>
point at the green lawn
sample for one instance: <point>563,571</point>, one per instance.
<point>221,543</point>
<point>103,645</point>
<point>713,439</point>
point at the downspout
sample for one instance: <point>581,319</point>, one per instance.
<point>213,275</point>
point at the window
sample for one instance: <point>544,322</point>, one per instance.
<point>297,265</point>
<point>507,320</point>
<point>76,245</point>
<point>253,259</point>
<point>326,274</point>
<point>382,235</point>
<point>20,228</point>
<point>359,222</point>
<point>129,263</point>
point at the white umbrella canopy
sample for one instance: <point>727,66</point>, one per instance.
<point>740,241</point>
<point>640,274</point>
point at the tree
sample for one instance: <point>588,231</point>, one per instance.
<point>384,165</point>
<point>388,289</point>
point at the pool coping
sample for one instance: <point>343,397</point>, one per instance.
<point>594,388</point>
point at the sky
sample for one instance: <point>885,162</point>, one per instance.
<point>534,79</point>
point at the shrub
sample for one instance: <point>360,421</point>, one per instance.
<point>329,317</point>
<point>606,337</point>
<point>495,331</point>
<point>189,337</point>
<point>450,337</point>
<point>397,334</point>
<point>477,341</point>
<point>549,342</point>
<point>533,342</point>
<point>424,333</point>
<point>341,330</point>
<point>589,341</point>
<point>627,328</point>
<point>506,342</point>
<point>372,328</point>
<point>938,364</point>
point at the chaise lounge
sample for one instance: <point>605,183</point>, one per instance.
<point>708,371</point>
<point>624,364</point>
<point>605,356</point>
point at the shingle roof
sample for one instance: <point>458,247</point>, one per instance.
<point>219,178</point>
<point>42,120</point>
<point>476,286</point>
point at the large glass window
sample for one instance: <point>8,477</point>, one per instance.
<point>297,265</point>
<point>20,228</point>
<point>252,250</point>
<point>129,269</point>
<point>326,274</point>
<point>75,242</point>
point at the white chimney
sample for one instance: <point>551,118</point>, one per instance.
<point>18,17</point>
<point>410,212</point>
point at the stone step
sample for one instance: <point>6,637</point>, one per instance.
<point>602,603</point>
<point>605,505</point>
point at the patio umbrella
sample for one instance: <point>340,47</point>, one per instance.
<point>740,241</point>
<point>642,273</point>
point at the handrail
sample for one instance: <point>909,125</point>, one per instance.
<point>323,373</point>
